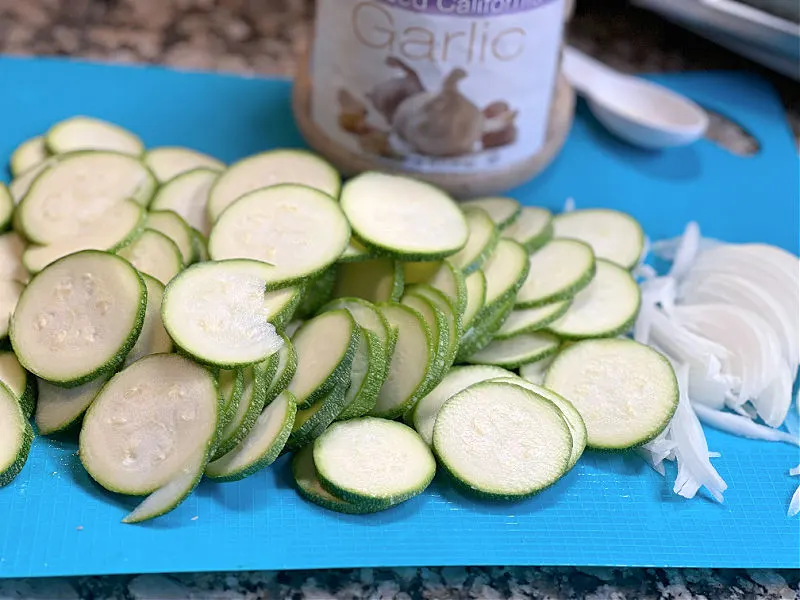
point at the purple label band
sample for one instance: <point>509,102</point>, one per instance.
<point>468,8</point>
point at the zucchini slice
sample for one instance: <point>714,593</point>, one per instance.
<point>10,293</point>
<point>231,388</point>
<point>187,195</point>
<point>367,375</point>
<point>505,271</point>
<point>154,254</point>
<point>172,225</point>
<point>6,207</point>
<point>411,363</point>
<point>310,423</point>
<point>374,280</point>
<point>79,318</point>
<point>18,381</point>
<point>263,444</point>
<point>87,133</point>
<point>16,435</point>
<point>503,211</point>
<point>12,248</point>
<point>482,332</point>
<point>445,305</point>
<point>148,423</point>
<point>285,369</point>
<point>460,378</point>
<point>536,372</point>
<point>483,237</point>
<point>167,162</point>
<point>298,230</point>
<point>516,351</point>
<point>112,231</point>
<point>558,271</point>
<point>250,406</point>
<point>68,198</point>
<point>270,169</point>
<point>280,305</point>
<point>316,294</point>
<point>613,235</point>
<point>308,485</point>
<point>625,392</point>
<point>607,307</point>
<point>20,185</point>
<point>577,427</point>
<point>373,461</point>
<point>533,229</point>
<point>325,346</point>
<point>440,328</point>
<point>450,281</point>
<point>528,320</point>
<point>218,311</point>
<point>58,409</point>
<point>27,155</point>
<point>412,220</point>
<point>355,252</point>
<point>501,440</point>
<point>153,338</point>
<point>475,284</point>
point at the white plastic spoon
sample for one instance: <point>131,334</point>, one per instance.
<point>638,111</point>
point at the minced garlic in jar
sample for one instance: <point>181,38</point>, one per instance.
<point>465,94</point>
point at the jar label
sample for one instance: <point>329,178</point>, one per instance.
<point>437,85</point>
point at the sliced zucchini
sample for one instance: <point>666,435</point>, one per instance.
<point>187,195</point>
<point>411,363</point>
<point>10,293</point>
<point>262,445</point>
<point>325,346</point>
<point>505,271</point>
<point>200,247</point>
<point>68,198</point>
<point>293,326</point>
<point>153,338</point>
<point>536,372</point>
<point>355,252</point>
<point>250,406</point>
<point>18,381</point>
<point>285,369</point>
<point>613,235</point>
<point>420,272</point>
<point>218,311</point>
<point>460,378</point>
<point>445,305</point>
<point>151,421</point>
<point>412,221</point>
<point>439,326</point>
<point>16,435</point>
<point>450,281</point>
<point>309,486</point>
<point>373,461</point>
<point>269,169</point>
<point>503,211</point>
<point>476,297</point>
<point>607,307</point>
<point>280,305</point>
<point>367,374</point>
<point>625,392</point>
<point>577,427</point>
<point>79,318</point>
<point>298,230</point>
<point>27,155</point>
<point>374,280</point>
<point>533,229</point>
<point>172,225</point>
<point>112,231</point>
<point>501,440</point>
<point>310,423</point>
<point>558,271</point>
<point>481,334</point>
<point>12,248</point>
<point>528,320</point>
<point>6,207</point>
<point>20,185</point>
<point>231,389</point>
<point>483,237</point>
<point>87,133</point>
<point>58,409</point>
<point>516,351</point>
<point>167,162</point>
<point>316,294</point>
<point>154,254</point>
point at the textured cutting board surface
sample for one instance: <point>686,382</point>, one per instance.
<point>610,510</point>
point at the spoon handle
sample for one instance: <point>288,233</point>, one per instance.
<point>584,72</point>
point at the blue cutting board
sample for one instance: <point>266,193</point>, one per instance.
<point>610,510</point>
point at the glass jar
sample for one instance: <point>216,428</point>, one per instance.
<point>465,94</point>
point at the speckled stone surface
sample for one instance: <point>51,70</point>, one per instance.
<point>266,37</point>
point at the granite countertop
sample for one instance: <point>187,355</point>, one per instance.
<point>266,37</point>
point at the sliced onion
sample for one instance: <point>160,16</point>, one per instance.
<point>742,426</point>
<point>794,505</point>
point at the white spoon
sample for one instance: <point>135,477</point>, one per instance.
<point>638,111</point>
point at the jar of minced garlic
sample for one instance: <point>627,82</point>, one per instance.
<point>466,94</point>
